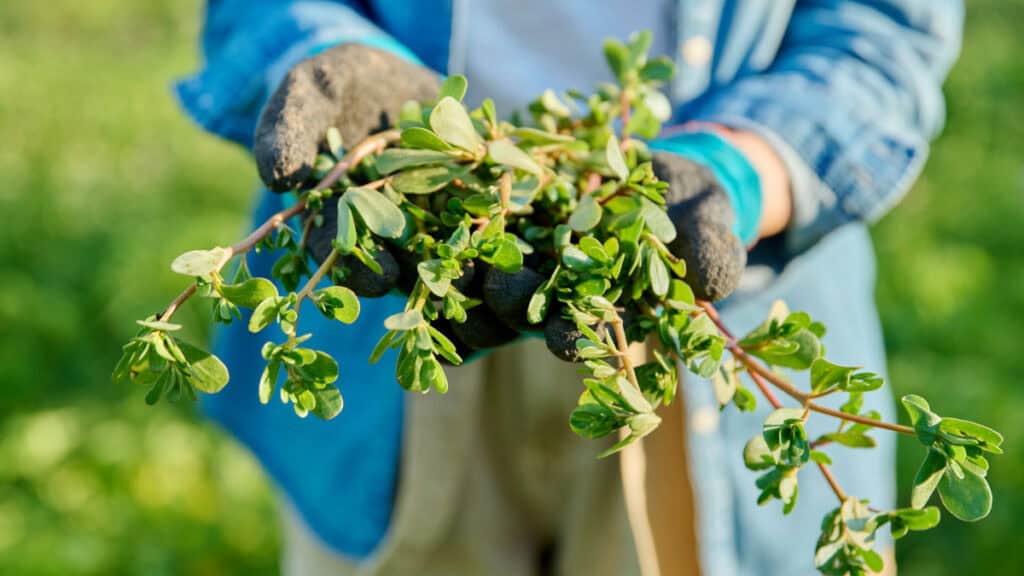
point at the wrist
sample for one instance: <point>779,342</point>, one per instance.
<point>736,174</point>
<point>776,194</point>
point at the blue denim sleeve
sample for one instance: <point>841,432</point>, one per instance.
<point>249,45</point>
<point>854,95</point>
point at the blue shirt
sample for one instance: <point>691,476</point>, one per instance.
<point>849,91</point>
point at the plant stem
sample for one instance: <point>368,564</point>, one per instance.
<point>758,371</point>
<point>173,306</point>
<point>765,390</point>
<point>306,227</point>
<point>623,345</point>
<point>371,144</point>
<point>317,276</point>
<point>827,473</point>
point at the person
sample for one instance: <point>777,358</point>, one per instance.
<point>802,121</point>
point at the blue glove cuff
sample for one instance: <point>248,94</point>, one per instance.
<point>732,169</point>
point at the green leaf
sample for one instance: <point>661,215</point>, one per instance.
<point>820,457</point>
<point>537,309</point>
<point>445,347</point>
<point>925,422</point>
<point>617,55</point>
<point>200,262</point>
<point>268,380</point>
<point>826,375</point>
<point>632,395</point>
<point>407,320</point>
<point>657,221</point>
<point>379,213</point>
<point>321,369</point>
<point>263,315</point>
<point>576,259</point>
<point>249,293</point>
<point>586,215</point>
<point>206,372</point>
<point>659,69</point>
<point>346,235</point>
<point>420,137</point>
<point>639,43</point>
<point>851,439</point>
<point>435,276</point>
<point>549,100</point>
<point>338,303</point>
<point>487,107</point>
<point>657,273</point>
<point>334,142</point>
<point>757,455</point>
<point>968,498</point>
<point>616,161</point>
<point>541,137</point>
<point>506,256</point>
<point>724,382</point>
<point>454,86</point>
<point>783,416</point>
<point>907,519</point>
<point>594,421</point>
<point>425,180</point>
<point>395,159</point>
<point>506,153</point>
<point>328,402</point>
<point>798,351</point>
<point>159,325</point>
<point>382,346</point>
<point>451,123</point>
<point>989,439</point>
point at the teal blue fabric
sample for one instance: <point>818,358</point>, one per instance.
<point>853,87</point>
<point>730,167</point>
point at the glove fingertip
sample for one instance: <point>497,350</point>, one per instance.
<point>715,261</point>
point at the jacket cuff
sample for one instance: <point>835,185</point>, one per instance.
<point>730,167</point>
<point>227,94</point>
<point>851,169</point>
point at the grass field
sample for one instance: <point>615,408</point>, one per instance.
<point>102,181</point>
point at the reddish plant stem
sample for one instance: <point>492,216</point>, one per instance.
<point>758,371</point>
<point>173,306</point>
<point>765,390</point>
<point>370,145</point>
<point>832,482</point>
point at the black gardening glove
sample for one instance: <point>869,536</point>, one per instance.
<point>704,217</point>
<point>358,90</point>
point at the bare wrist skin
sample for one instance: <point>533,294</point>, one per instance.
<point>777,199</point>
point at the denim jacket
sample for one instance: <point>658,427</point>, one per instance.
<point>850,91</point>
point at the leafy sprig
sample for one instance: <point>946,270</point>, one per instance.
<point>568,186</point>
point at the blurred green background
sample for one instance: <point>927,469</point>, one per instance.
<point>103,181</point>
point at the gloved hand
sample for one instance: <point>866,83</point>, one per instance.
<point>704,219</point>
<point>357,89</point>
<point>360,90</point>
<point>709,215</point>
<point>714,199</point>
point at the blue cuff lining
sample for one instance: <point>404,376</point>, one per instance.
<point>732,169</point>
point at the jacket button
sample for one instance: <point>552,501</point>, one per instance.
<point>696,50</point>
<point>704,421</point>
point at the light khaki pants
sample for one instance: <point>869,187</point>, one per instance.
<point>493,483</point>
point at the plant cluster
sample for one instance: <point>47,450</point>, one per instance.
<point>566,187</point>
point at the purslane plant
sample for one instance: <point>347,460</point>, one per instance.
<point>455,189</point>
